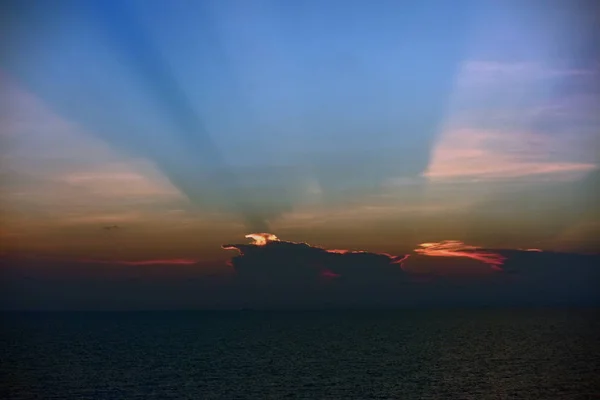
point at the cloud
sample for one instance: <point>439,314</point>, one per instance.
<point>553,276</point>
<point>271,261</point>
<point>169,261</point>
<point>119,181</point>
<point>515,120</point>
<point>455,248</point>
<point>286,274</point>
<point>482,70</point>
<point>492,155</point>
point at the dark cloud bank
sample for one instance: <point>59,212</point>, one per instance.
<point>474,276</point>
<point>280,274</point>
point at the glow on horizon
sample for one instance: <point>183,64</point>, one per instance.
<point>171,261</point>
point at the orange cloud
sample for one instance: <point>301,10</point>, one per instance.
<point>261,239</point>
<point>455,248</point>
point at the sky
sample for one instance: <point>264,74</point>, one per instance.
<point>143,135</point>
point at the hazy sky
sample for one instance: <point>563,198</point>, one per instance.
<point>374,125</point>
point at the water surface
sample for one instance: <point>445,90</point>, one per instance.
<point>416,354</point>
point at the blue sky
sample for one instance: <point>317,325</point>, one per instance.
<point>295,115</point>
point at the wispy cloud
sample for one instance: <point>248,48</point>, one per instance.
<point>169,261</point>
<point>484,69</point>
<point>514,120</point>
<point>455,248</point>
<point>104,218</point>
<point>121,180</point>
<point>60,173</point>
<point>475,154</point>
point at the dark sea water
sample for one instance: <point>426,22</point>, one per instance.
<point>444,354</point>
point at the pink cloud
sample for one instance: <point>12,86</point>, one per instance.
<point>504,122</point>
<point>479,154</point>
<point>455,248</point>
<point>326,273</point>
<point>169,261</point>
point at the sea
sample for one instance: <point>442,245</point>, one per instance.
<point>334,354</point>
